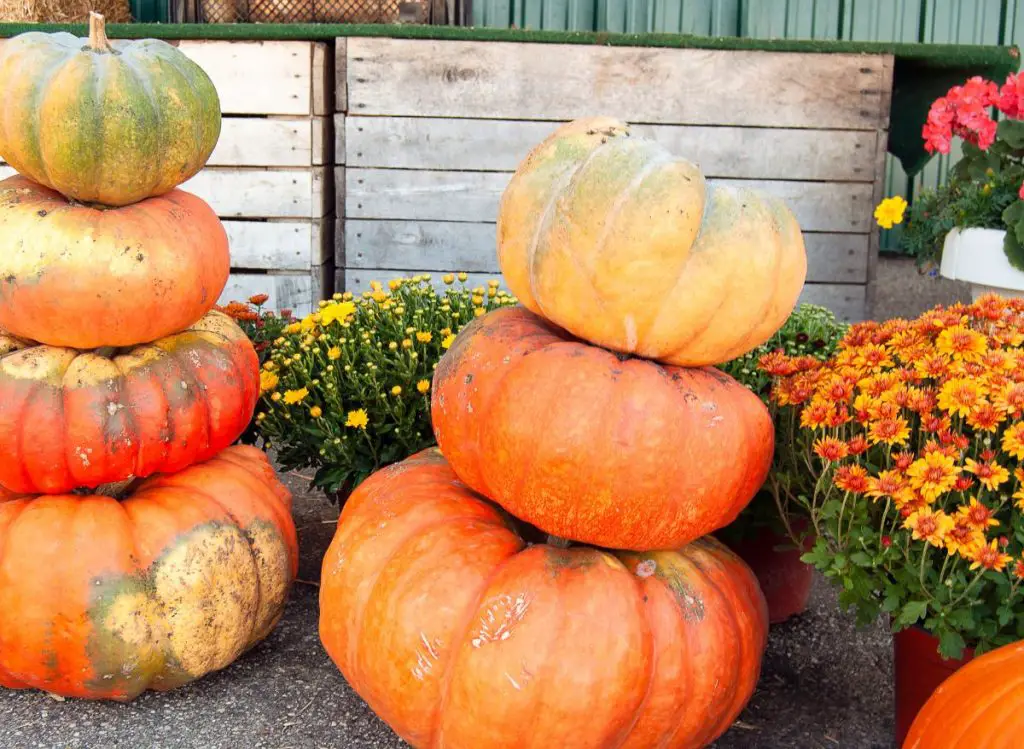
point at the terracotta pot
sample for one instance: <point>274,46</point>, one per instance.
<point>919,670</point>
<point>784,579</point>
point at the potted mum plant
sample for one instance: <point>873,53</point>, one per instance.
<point>912,439</point>
<point>760,535</point>
<point>974,224</point>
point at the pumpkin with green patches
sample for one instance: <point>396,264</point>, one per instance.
<point>103,598</point>
<point>71,418</point>
<point>458,633</point>
<point>71,275</point>
<point>104,122</point>
<point>598,447</point>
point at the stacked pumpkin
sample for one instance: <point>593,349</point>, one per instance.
<point>547,578</point>
<point>138,548</point>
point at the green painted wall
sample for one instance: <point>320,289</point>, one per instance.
<point>950,21</point>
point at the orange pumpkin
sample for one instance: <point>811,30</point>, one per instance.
<point>73,419</point>
<point>103,599</point>
<point>82,277</point>
<point>981,706</point>
<point>459,634</point>
<point>592,446</point>
<point>613,238</point>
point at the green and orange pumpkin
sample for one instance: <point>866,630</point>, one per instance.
<point>625,245</point>
<point>104,122</point>
<point>71,418</point>
<point>601,448</point>
<point>103,598</point>
<point>458,633</point>
<point>71,275</point>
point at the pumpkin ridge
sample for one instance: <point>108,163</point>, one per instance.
<point>565,179</point>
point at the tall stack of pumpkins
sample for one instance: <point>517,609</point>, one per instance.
<point>138,548</point>
<point>546,577</point>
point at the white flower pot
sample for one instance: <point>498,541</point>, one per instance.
<point>976,256</point>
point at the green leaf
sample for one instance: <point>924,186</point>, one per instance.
<point>912,612</point>
<point>861,559</point>
<point>1013,243</point>
<point>1005,615</point>
<point>891,603</point>
<point>1012,131</point>
<point>951,644</point>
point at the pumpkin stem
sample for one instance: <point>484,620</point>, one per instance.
<point>558,542</point>
<point>115,489</point>
<point>98,33</point>
<point>107,352</point>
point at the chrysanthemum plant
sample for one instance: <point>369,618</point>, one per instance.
<point>346,390</point>
<point>986,187</point>
<point>811,331</point>
<point>912,441</point>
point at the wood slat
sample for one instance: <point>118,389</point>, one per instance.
<point>500,145</point>
<point>298,292</point>
<point>517,81</point>
<point>273,142</point>
<point>447,246</point>
<point>264,193</point>
<point>279,245</point>
<point>474,196</point>
<point>847,301</point>
<point>257,77</point>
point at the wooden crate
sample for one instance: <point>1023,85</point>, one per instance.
<point>270,177</point>
<point>428,133</point>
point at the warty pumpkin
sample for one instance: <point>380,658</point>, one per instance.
<point>460,635</point>
<point>597,447</point>
<point>76,276</point>
<point>103,599</point>
<point>104,122</point>
<point>613,238</point>
<point>72,418</point>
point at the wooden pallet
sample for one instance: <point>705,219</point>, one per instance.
<point>429,132</point>
<point>270,177</point>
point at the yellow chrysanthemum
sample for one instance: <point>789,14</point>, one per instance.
<point>316,412</point>
<point>293,328</point>
<point>334,353</point>
<point>959,395</point>
<point>448,341</point>
<point>357,419</point>
<point>930,526</point>
<point>1013,440</point>
<point>932,475</point>
<point>291,397</point>
<point>423,386</point>
<point>424,337</point>
<point>962,344</point>
<point>336,313</point>
<point>268,381</point>
<point>396,390</point>
<point>890,211</point>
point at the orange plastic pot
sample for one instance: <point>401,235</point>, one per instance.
<point>919,670</point>
<point>784,579</point>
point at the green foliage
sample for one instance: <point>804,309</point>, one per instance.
<point>811,330</point>
<point>346,390</point>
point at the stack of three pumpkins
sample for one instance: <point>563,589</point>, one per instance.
<point>138,548</point>
<point>546,578</point>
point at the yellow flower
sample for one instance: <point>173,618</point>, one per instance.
<point>423,386</point>
<point>275,397</point>
<point>479,312</point>
<point>336,312</point>
<point>478,300</point>
<point>445,332</point>
<point>268,381</point>
<point>333,353</point>
<point>424,337</point>
<point>448,341</point>
<point>291,397</point>
<point>890,211</point>
<point>357,419</point>
<point>293,328</point>
<point>932,475</point>
<point>406,343</point>
<point>929,525</point>
<point>308,323</point>
<point>376,285</point>
<point>448,278</point>
<point>379,296</point>
<point>463,277</point>
<point>316,412</point>
<point>396,390</point>
<point>394,284</point>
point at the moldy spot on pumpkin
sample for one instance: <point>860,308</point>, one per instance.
<point>690,605</point>
<point>469,378</point>
<point>41,213</point>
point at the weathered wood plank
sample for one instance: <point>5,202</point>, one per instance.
<point>322,76</point>
<point>341,74</point>
<point>474,196</point>
<point>448,245</point>
<point>881,148</point>
<point>500,145</point>
<point>263,193</point>
<point>846,300</point>
<point>257,77</point>
<point>277,142</point>
<point>493,80</point>
<point>298,292</point>
<point>279,245</point>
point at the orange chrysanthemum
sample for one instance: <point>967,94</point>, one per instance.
<point>977,515</point>
<point>959,395</point>
<point>887,484</point>
<point>962,344</point>
<point>932,475</point>
<point>991,557</point>
<point>1013,440</point>
<point>990,474</point>
<point>894,431</point>
<point>857,444</point>
<point>815,415</point>
<point>1010,399</point>
<point>930,526</point>
<point>985,417</point>
<point>853,479</point>
<point>963,537</point>
<point>831,449</point>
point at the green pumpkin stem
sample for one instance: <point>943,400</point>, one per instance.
<point>98,41</point>
<point>115,489</point>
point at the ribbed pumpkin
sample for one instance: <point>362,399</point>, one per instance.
<point>981,706</point>
<point>600,448</point>
<point>101,122</point>
<point>103,599</point>
<point>613,238</point>
<point>72,418</point>
<point>460,635</point>
<point>76,276</point>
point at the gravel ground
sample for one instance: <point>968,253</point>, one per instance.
<point>824,683</point>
